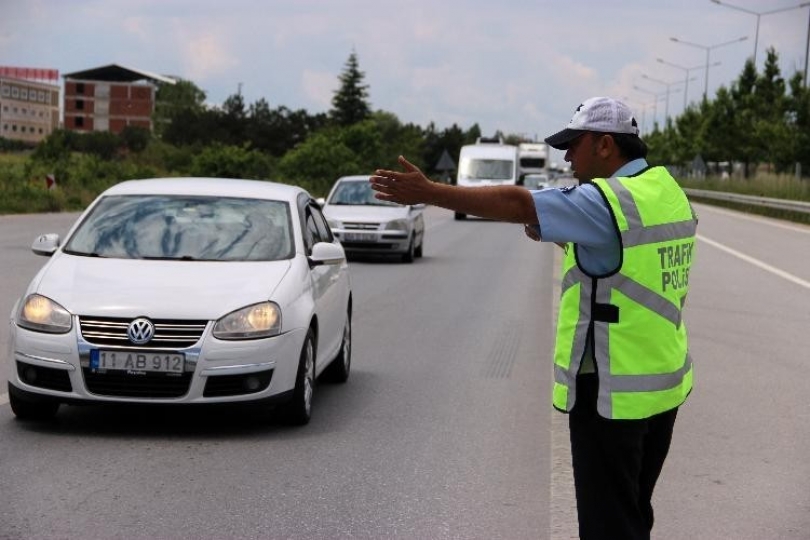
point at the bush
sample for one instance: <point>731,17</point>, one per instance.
<point>231,162</point>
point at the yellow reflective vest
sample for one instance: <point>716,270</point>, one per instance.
<point>632,316</point>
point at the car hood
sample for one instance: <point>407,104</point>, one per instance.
<point>365,213</point>
<point>166,289</point>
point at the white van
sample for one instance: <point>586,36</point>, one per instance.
<point>487,164</point>
<point>533,158</point>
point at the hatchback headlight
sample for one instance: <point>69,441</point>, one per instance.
<point>42,314</point>
<point>397,225</point>
<point>251,322</point>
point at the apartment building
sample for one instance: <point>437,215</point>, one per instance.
<point>29,103</point>
<point>110,98</point>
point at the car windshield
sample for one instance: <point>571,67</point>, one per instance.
<point>486,169</point>
<point>356,192</point>
<point>185,227</point>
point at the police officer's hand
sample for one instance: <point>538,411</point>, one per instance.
<point>408,187</point>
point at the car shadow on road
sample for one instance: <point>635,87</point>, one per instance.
<point>332,408</point>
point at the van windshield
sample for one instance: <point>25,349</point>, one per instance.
<point>486,169</point>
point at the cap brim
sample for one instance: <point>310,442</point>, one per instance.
<point>562,139</point>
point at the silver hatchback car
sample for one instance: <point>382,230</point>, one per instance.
<point>365,224</point>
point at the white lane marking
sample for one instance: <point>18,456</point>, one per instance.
<point>757,219</point>
<point>756,262</point>
<point>3,399</point>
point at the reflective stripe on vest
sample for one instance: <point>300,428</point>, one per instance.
<point>644,303</point>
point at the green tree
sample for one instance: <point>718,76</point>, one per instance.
<point>771,129</point>
<point>278,130</point>
<point>350,102</point>
<point>56,146</point>
<point>798,121</point>
<point>722,141</point>
<point>135,138</point>
<point>316,163</point>
<point>172,99</point>
<point>233,118</point>
<point>747,148</point>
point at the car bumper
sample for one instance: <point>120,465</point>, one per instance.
<point>58,367</point>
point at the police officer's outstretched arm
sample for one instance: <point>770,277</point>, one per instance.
<point>503,203</point>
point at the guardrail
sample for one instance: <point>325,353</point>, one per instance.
<point>769,202</point>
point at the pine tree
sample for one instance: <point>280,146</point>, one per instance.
<point>350,103</point>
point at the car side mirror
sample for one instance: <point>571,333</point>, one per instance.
<point>326,253</point>
<point>46,244</point>
<point>418,206</point>
<point>321,201</point>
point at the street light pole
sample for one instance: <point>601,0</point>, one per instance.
<point>656,99</point>
<point>758,15</point>
<point>708,49</point>
<point>686,71</point>
<point>668,85</point>
<point>807,49</point>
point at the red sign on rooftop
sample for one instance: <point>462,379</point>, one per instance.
<point>31,74</point>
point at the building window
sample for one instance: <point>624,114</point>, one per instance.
<point>32,95</point>
<point>15,92</point>
<point>41,96</point>
<point>79,121</point>
<point>80,104</point>
<point>14,127</point>
<point>24,93</point>
<point>6,90</point>
<point>80,88</point>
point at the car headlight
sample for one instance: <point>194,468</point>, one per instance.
<point>397,225</point>
<point>251,322</point>
<point>42,314</point>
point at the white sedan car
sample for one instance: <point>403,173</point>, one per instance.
<point>367,225</point>
<point>185,290</point>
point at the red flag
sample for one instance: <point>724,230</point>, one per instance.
<point>50,181</point>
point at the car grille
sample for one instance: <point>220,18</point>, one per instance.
<point>350,226</point>
<point>147,385</point>
<point>169,333</point>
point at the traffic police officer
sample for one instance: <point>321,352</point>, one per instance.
<point>621,363</point>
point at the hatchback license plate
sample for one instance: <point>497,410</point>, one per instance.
<point>137,361</point>
<point>359,237</point>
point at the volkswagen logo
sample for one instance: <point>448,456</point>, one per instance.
<point>140,331</point>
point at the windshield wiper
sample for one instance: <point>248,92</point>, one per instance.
<point>83,254</point>
<point>164,258</point>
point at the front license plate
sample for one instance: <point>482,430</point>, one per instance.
<point>137,361</point>
<point>359,237</point>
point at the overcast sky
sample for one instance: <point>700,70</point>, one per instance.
<point>519,66</point>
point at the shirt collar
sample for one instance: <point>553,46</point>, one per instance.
<point>632,167</point>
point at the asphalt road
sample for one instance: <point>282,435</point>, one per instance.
<point>445,429</point>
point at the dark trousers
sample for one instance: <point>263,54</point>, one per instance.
<point>616,464</point>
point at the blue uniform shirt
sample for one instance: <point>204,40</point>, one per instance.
<point>579,214</point>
